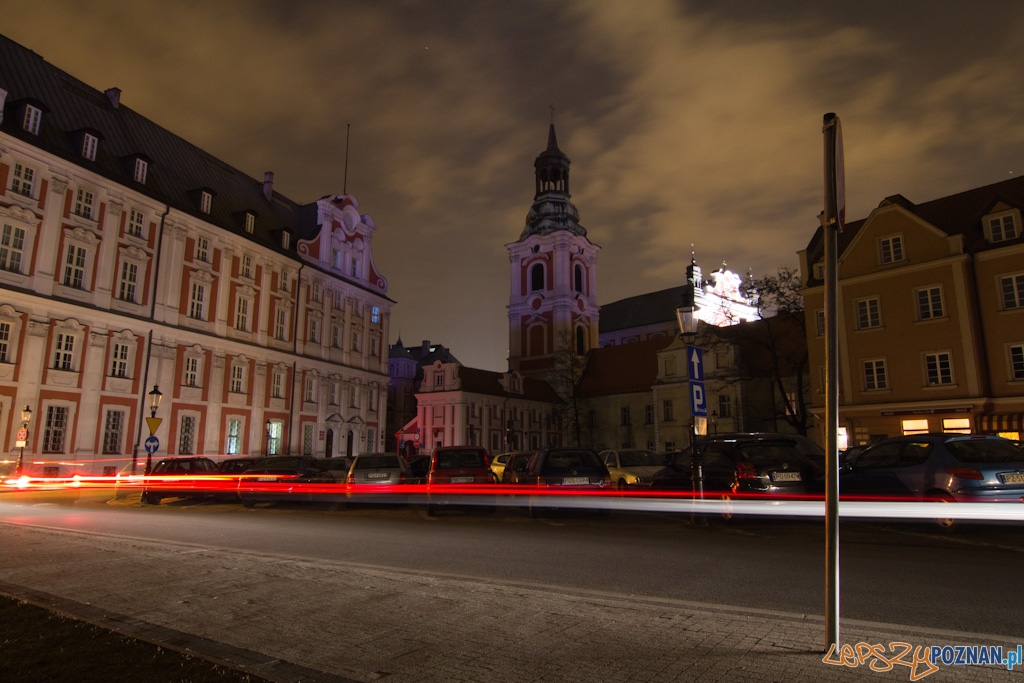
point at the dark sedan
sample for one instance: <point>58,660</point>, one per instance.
<point>182,477</point>
<point>564,470</point>
<point>284,478</point>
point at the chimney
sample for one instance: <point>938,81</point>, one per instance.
<point>425,349</point>
<point>268,185</point>
<point>114,95</point>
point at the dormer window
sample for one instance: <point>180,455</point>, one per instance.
<point>205,201</point>
<point>1002,228</point>
<point>32,119</point>
<point>250,222</point>
<point>140,171</point>
<point>89,144</point>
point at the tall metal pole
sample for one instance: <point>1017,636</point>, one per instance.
<point>832,223</point>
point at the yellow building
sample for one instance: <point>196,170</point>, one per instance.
<point>930,317</point>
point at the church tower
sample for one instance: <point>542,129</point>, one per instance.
<point>553,307</point>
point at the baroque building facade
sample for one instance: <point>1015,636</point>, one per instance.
<point>131,259</point>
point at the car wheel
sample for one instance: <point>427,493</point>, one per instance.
<point>727,507</point>
<point>248,503</point>
<point>946,523</point>
<point>151,499</point>
<point>622,484</point>
<point>431,510</point>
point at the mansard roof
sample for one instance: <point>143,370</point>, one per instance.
<point>644,309</point>
<point>177,168</point>
<point>623,369</point>
<point>487,382</point>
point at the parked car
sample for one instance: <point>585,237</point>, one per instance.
<point>565,469</point>
<point>419,466</point>
<point>230,471</point>
<point>378,469</point>
<point>498,464</point>
<point>747,464</point>
<point>458,465</point>
<point>632,467</point>
<point>515,466</point>
<point>181,477</point>
<point>939,466</point>
<point>283,478</point>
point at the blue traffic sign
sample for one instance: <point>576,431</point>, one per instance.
<point>152,445</point>
<point>698,399</point>
<point>695,362</point>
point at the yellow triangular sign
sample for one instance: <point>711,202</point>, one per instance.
<point>154,424</point>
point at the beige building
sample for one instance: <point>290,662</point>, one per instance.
<point>931,316</point>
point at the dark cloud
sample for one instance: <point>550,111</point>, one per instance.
<point>687,122</point>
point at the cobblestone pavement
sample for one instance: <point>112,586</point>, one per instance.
<point>292,619</point>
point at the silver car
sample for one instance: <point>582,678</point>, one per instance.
<point>371,470</point>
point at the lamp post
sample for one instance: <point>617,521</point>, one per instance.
<point>26,415</point>
<point>154,402</point>
<point>688,325</point>
<point>714,421</point>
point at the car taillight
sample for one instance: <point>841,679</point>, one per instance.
<point>401,478</point>
<point>965,473</point>
<point>746,470</point>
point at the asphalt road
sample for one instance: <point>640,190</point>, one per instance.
<point>900,573</point>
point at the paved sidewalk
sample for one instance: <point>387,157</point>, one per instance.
<point>290,619</point>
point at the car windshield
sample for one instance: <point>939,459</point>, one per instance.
<point>447,460</point>
<point>980,451</point>
<point>376,462</point>
<point>638,459</point>
<point>560,460</point>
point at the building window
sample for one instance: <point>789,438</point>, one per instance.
<point>335,393</point>
<point>281,325</point>
<point>284,280</point>
<point>874,375</point>
<point>187,435</point>
<point>242,315</point>
<point>724,406</point>
<point>536,277</point>
<point>33,116</point>
<point>375,315</point>
<point>336,259</point>
<point>202,249</point>
<point>1002,228</point>
<point>250,222</point>
<point>917,426</point>
<point>84,200</point>
<point>237,379</point>
<point>670,446</point>
<point>277,385</point>
<point>307,439</point>
<point>89,144</point>
<point>353,398</point>
<point>649,414</point>
<point>819,322</point>
<point>666,407</point>
<point>310,391</point>
<point>1016,362</point>
<point>233,445</point>
<point>129,280</point>
<point>113,429</point>
<point>196,304</point>
<point>190,377</point>
<point>890,249</point>
<point>316,292</point>
<point>356,341</point>
<point>938,368</point>
<point>578,278</point>
<point>274,438</point>
<point>929,303</point>
<point>246,270</point>
<point>314,330</point>
<point>355,269</point>
<point>119,360</point>
<point>5,340</point>
<point>12,246</point>
<point>205,201</point>
<point>55,429</point>
<point>74,267</point>
<point>624,416</point>
<point>1012,288</point>
<point>958,425</point>
<point>64,352</point>
<point>141,169</point>
<point>23,180</point>
<point>867,314</point>
<point>439,380</point>
<point>136,222</point>
<point>336,336</point>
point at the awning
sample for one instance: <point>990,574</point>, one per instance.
<point>1001,422</point>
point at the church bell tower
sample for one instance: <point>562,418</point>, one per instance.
<point>552,309</point>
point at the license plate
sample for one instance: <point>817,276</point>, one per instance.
<point>376,475</point>
<point>1013,478</point>
<point>786,476</point>
<point>266,478</point>
<point>462,480</point>
<point>575,481</point>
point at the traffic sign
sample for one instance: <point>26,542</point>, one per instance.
<point>698,399</point>
<point>695,362</point>
<point>152,445</point>
<point>154,424</point>
<point>22,434</point>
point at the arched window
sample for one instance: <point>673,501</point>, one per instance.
<point>581,342</point>
<point>578,278</point>
<point>536,277</point>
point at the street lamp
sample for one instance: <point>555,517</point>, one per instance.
<point>26,415</point>
<point>154,402</point>
<point>714,421</point>
<point>688,325</point>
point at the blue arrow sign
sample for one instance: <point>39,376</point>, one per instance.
<point>695,362</point>
<point>152,445</point>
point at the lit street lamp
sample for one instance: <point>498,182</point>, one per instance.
<point>26,415</point>
<point>154,402</point>
<point>714,421</point>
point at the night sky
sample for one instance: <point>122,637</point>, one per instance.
<point>686,122</point>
